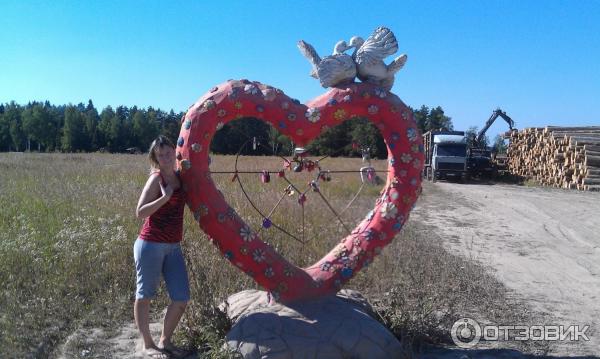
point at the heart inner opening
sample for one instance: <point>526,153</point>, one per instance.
<point>300,200</point>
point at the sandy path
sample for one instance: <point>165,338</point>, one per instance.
<point>542,243</point>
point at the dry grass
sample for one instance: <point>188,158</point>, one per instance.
<point>67,228</point>
<point>65,233</point>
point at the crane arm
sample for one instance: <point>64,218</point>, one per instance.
<point>497,113</point>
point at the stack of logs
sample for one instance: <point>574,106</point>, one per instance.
<point>565,157</point>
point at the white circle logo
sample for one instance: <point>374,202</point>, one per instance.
<point>465,333</point>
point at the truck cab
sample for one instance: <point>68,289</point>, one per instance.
<point>445,155</point>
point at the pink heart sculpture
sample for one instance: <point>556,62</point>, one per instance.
<point>302,123</point>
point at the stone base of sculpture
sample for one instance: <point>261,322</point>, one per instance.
<point>340,326</point>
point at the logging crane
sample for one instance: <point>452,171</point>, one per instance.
<point>478,141</point>
<point>480,162</point>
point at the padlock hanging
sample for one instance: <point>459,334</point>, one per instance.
<point>265,177</point>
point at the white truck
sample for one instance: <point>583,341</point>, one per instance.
<point>445,155</point>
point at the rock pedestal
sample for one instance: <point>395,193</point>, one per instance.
<point>338,326</point>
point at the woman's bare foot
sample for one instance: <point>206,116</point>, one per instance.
<point>155,353</point>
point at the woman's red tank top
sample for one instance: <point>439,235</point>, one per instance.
<point>166,224</point>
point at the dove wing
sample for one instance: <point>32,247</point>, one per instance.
<point>336,68</point>
<point>309,52</point>
<point>397,64</point>
<point>379,45</point>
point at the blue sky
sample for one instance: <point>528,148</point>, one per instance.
<point>537,60</point>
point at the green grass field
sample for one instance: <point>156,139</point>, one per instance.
<point>67,227</point>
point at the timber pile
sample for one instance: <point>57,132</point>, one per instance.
<point>564,157</point>
<point>500,160</point>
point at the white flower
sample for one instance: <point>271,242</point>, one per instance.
<point>250,89</point>
<point>325,267</point>
<point>209,104</point>
<point>196,147</point>
<point>411,133</point>
<point>313,115</point>
<point>389,210</point>
<point>380,93</point>
<point>368,235</point>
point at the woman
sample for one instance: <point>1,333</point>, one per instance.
<point>157,250</point>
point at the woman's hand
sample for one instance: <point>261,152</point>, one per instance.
<point>166,191</point>
<point>154,195</point>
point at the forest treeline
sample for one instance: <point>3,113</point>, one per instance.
<point>44,127</point>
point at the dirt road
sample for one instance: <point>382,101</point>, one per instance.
<point>542,243</point>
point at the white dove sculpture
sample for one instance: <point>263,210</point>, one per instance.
<point>336,69</point>
<point>369,56</point>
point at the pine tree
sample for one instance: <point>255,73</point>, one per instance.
<point>438,121</point>
<point>105,141</point>
<point>5,143</point>
<point>364,135</point>
<point>171,125</point>
<point>145,130</point>
<point>91,120</point>
<point>421,118</point>
<point>74,137</point>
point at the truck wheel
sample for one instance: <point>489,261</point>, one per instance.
<point>429,174</point>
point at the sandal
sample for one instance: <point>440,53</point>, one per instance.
<point>154,353</point>
<point>174,352</point>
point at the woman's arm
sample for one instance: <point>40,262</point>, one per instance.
<point>154,195</point>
